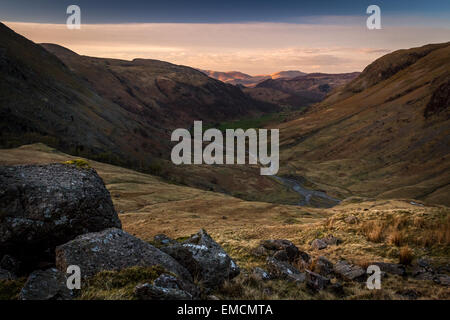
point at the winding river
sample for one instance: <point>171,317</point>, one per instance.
<point>306,193</point>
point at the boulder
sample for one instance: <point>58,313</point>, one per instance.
<point>205,258</point>
<point>332,240</point>
<point>185,257</point>
<point>162,239</point>
<point>283,270</point>
<point>147,291</point>
<point>392,268</point>
<point>260,251</point>
<point>277,245</point>
<point>422,270</point>
<point>323,266</point>
<point>261,274</point>
<point>315,281</point>
<point>47,284</point>
<point>44,206</point>
<point>113,249</point>
<point>442,279</point>
<point>349,271</point>
<point>281,255</point>
<point>10,263</point>
<point>423,263</point>
<point>171,282</point>
<point>318,244</point>
<point>6,275</point>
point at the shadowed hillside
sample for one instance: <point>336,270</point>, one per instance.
<point>301,90</point>
<point>112,110</point>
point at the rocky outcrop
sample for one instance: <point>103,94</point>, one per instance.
<point>167,287</point>
<point>147,291</point>
<point>284,270</point>
<point>204,258</point>
<point>261,274</point>
<point>323,266</point>
<point>348,271</point>
<point>281,249</point>
<point>43,206</point>
<point>113,249</point>
<point>6,275</point>
<point>47,284</point>
<point>315,281</point>
<point>323,243</point>
<point>392,268</point>
<point>318,244</point>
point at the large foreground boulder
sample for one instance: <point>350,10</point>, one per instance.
<point>113,249</point>
<point>43,206</point>
<point>204,258</point>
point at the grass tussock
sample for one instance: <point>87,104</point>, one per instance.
<point>79,163</point>
<point>118,285</point>
<point>406,256</point>
<point>373,230</point>
<point>399,230</point>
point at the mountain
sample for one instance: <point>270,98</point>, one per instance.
<point>246,80</point>
<point>386,134</point>
<point>287,74</point>
<point>301,90</point>
<point>108,109</point>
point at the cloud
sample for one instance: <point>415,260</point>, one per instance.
<point>255,48</point>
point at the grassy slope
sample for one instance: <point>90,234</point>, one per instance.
<point>151,206</point>
<point>372,139</point>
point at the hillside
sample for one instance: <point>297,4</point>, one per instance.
<point>300,90</point>
<point>383,135</point>
<point>114,110</point>
<point>246,80</point>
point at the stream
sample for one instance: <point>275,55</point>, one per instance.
<point>307,194</point>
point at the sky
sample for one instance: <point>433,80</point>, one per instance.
<point>256,37</point>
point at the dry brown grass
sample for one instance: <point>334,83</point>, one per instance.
<point>396,238</point>
<point>406,256</point>
<point>153,206</point>
<point>374,231</point>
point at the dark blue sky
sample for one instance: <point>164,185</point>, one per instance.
<point>208,11</point>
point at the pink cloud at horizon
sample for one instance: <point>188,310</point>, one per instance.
<point>254,48</point>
